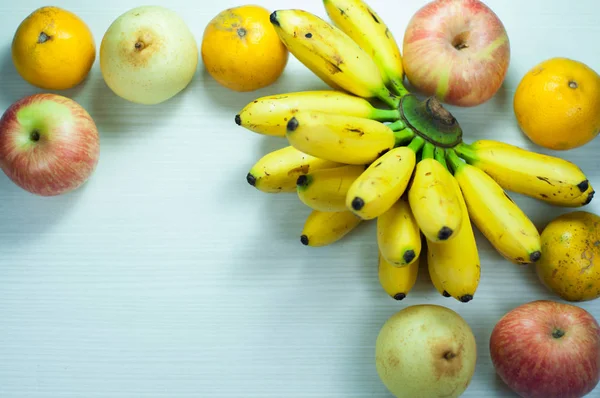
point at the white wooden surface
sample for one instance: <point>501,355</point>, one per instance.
<point>169,276</point>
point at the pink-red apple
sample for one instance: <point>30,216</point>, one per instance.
<point>547,349</point>
<point>49,144</point>
<point>457,50</point>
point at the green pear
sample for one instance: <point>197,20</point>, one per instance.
<point>426,351</point>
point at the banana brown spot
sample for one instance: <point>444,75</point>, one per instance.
<point>408,256</point>
<point>373,16</point>
<point>444,233</point>
<point>292,125</point>
<point>251,179</point>
<point>466,298</point>
<point>342,12</point>
<point>378,164</point>
<point>445,294</point>
<point>308,35</point>
<point>358,131</point>
<point>304,240</point>
<point>238,120</point>
<point>333,68</point>
<point>358,203</point>
<point>399,296</point>
<point>545,179</point>
<point>273,18</point>
<point>535,256</point>
<point>543,195</point>
<point>583,185</point>
<point>43,37</point>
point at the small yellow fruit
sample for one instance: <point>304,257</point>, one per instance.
<point>53,49</point>
<point>557,104</point>
<point>241,50</point>
<point>570,262</point>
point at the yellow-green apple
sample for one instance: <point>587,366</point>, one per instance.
<point>547,349</point>
<point>148,55</point>
<point>426,350</point>
<point>49,144</point>
<point>457,50</point>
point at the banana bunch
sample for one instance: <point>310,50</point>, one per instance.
<point>367,150</point>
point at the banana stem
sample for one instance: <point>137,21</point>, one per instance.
<point>440,156</point>
<point>416,144</point>
<point>390,99</point>
<point>466,152</point>
<point>386,115</point>
<point>398,88</point>
<point>428,150</point>
<point>403,136</point>
<point>397,125</point>
<point>454,160</point>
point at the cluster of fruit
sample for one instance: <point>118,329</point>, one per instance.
<point>407,167</point>
<point>368,149</point>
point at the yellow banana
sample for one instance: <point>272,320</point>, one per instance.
<point>369,31</point>
<point>455,263</point>
<point>433,200</point>
<point>325,189</point>
<point>435,281</point>
<point>324,228</point>
<point>339,138</point>
<point>383,182</point>
<point>269,115</point>
<point>397,281</point>
<point>331,54</point>
<point>279,170</point>
<point>494,213</point>
<point>547,178</point>
<point>398,235</point>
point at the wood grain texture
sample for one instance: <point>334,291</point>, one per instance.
<point>167,275</point>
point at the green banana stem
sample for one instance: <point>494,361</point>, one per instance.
<point>466,152</point>
<point>390,99</point>
<point>397,125</point>
<point>428,151</point>
<point>403,136</point>
<point>386,115</point>
<point>398,88</point>
<point>454,160</point>
<point>416,144</point>
<point>440,156</point>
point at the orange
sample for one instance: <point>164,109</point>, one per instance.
<point>557,104</point>
<point>53,49</point>
<point>241,50</point>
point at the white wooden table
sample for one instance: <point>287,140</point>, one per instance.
<point>169,276</point>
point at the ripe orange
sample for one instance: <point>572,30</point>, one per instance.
<point>557,104</point>
<point>53,49</point>
<point>241,50</point>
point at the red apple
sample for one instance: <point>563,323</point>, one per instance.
<point>457,50</point>
<point>546,349</point>
<point>49,144</point>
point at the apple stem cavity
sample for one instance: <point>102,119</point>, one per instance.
<point>43,37</point>
<point>558,333</point>
<point>449,355</point>
<point>573,84</point>
<point>35,136</point>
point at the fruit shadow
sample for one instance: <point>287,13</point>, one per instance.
<point>118,118</point>
<point>14,87</point>
<point>27,216</point>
